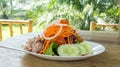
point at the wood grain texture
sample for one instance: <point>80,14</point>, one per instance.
<point>92,26</point>
<point>11,30</point>
<point>13,58</point>
<point>21,30</point>
<point>30,26</point>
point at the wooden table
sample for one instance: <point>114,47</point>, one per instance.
<point>13,58</point>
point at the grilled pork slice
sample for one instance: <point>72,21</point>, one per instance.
<point>35,44</point>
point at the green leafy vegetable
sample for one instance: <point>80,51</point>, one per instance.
<point>52,50</point>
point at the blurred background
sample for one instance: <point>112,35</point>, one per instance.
<point>79,12</point>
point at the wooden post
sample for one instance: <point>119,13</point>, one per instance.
<point>92,26</point>
<point>30,26</point>
<point>104,27</point>
<point>11,30</point>
<point>0,32</point>
<point>21,31</point>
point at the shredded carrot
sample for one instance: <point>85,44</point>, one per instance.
<point>67,32</point>
<point>64,21</point>
<point>47,42</point>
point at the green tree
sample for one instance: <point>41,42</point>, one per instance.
<point>4,9</point>
<point>93,9</point>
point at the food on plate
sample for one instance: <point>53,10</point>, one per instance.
<point>82,50</point>
<point>79,49</point>
<point>52,50</point>
<point>35,44</point>
<point>68,50</point>
<point>87,47</point>
<point>59,38</point>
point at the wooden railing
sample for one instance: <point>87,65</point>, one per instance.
<point>93,25</point>
<point>11,22</point>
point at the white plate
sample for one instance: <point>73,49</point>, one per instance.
<point>97,49</point>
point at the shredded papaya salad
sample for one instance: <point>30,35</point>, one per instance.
<point>61,39</point>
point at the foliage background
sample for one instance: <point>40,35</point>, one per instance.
<point>79,12</point>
